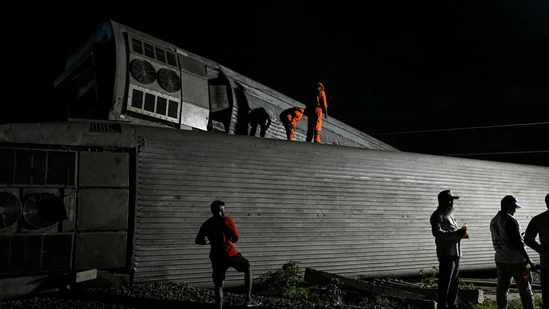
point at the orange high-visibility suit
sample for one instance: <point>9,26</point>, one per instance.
<point>290,118</point>
<point>314,114</point>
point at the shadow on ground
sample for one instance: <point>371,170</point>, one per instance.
<point>134,302</point>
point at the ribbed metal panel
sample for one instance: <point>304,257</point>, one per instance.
<point>345,210</point>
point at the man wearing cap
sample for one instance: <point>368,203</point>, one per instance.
<point>448,241</point>
<point>222,233</point>
<point>511,257</point>
<point>540,225</point>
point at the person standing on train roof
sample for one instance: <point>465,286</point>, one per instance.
<point>448,238</point>
<point>315,110</point>
<point>221,234</point>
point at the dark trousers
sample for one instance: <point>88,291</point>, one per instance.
<point>262,132</point>
<point>545,286</point>
<point>448,282</point>
<point>314,124</point>
<point>507,273</point>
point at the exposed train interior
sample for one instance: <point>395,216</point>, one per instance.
<point>86,87</point>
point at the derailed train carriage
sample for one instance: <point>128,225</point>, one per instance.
<point>122,74</point>
<point>136,196</point>
<point>135,179</point>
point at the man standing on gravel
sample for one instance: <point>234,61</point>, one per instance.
<point>540,225</point>
<point>448,241</point>
<point>221,232</point>
<point>511,257</point>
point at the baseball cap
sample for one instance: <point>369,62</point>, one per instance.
<point>216,205</point>
<point>510,200</point>
<point>447,195</point>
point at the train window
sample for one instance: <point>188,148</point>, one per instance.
<point>149,102</point>
<point>171,59</point>
<point>39,166</point>
<point>137,99</point>
<point>23,171</point>
<point>137,47</point>
<point>152,105</point>
<point>149,50</point>
<point>160,54</point>
<point>172,109</point>
<point>30,167</point>
<point>161,104</point>
<point>7,166</point>
<point>61,168</point>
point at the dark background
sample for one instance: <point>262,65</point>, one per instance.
<point>392,67</point>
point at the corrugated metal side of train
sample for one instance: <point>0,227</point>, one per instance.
<point>344,210</point>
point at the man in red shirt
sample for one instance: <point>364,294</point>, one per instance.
<point>222,233</point>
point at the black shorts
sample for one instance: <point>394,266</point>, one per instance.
<point>221,264</point>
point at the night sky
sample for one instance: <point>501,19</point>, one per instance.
<point>387,67</point>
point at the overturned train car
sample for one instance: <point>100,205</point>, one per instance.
<point>135,197</point>
<point>123,74</point>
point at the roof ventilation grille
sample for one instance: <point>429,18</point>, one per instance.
<point>105,127</point>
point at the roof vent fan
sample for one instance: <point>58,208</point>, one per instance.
<point>143,71</point>
<point>10,209</point>
<point>169,80</point>
<point>42,210</point>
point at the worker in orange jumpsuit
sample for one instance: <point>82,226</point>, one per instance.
<point>314,114</point>
<point>289,118</point>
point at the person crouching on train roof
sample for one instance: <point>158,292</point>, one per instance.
<point>448,236</point>
<point>221,232</point>
<point>290,118</point>
<point>259,117</point>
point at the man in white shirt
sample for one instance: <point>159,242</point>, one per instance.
<point>448,241</point>
<point>540,225</point>
<point>511,257</point>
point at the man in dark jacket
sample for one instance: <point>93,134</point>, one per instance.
<point>448,241</point>
<point>511,257</point>
<point>540,225</point>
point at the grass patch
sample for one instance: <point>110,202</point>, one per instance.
<point>513,304</point>
<point>287,282</point>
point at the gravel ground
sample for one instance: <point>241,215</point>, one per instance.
<point>156,295</point>
<point>161,295</point>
